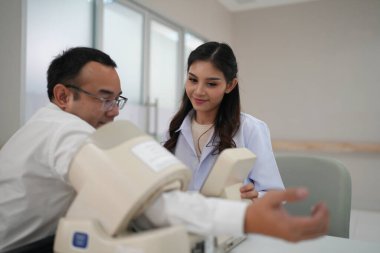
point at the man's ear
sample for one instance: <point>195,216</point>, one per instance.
<point>61,96</point>
<point>231,85</point>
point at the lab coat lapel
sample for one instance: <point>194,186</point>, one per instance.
<point>185,129</point>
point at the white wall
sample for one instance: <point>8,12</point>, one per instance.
<point>207,18</point>
<point>10,67</point>
<point>311,71</point>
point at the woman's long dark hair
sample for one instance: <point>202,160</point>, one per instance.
<point>227,121</point>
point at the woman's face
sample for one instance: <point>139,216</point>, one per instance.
<point>205,87</point>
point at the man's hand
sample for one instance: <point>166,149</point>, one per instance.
<point>267,216</point>
<point>248,192</point>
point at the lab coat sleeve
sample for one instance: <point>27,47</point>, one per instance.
<point>265,173</point>
<point>200,215</point>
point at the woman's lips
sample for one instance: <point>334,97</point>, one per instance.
<point>199,101</point>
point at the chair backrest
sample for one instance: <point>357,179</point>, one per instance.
<point>327,179</point>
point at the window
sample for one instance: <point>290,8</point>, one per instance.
<point>123,40</point>
<point>163,75</point>
<point>191,43</point>
<point>150,52</point>
<point>47,36</point>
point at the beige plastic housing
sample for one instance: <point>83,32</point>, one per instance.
<point>117,173</point>
<point>172,239</point>
<point>225,179</point>
<point>228,173</point>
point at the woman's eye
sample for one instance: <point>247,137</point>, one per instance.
<point>193,80</point>
<point>211,84</point>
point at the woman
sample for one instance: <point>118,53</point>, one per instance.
<point>209,121</point>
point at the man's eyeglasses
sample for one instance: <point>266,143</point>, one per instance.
<point>108,104</point>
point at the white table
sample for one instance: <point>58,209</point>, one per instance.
<point>264,244</point>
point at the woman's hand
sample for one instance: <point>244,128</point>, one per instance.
<point>248,192</point>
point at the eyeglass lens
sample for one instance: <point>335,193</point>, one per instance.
<point>110,104</point>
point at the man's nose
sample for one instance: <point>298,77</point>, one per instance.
<point>113,112</point>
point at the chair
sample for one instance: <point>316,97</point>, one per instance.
<point>327,179</point>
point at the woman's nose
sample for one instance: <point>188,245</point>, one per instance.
<point>200,89</point>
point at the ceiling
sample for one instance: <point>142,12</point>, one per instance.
<point>242,5</point>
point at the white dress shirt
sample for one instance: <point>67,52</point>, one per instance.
<point>34,191</point>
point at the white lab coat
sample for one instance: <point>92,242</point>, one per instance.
<point>35,192</point>
<point>253,134</point>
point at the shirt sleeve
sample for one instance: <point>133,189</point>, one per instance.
<point>264,174</point>
<point>67,140</point>
<point>200,215</point>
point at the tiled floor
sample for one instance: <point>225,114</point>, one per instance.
<point>365,226</point>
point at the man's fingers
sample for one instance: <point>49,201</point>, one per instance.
<point>312,226</point>
<point>288,195</point>
<point>319,216</point>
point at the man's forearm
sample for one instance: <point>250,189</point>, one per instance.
<point>200,215</point>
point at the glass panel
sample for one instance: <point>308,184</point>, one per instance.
<point>163,76</point>
<point>191,43</point>
<point>52,26</point>
<point>123,41</point>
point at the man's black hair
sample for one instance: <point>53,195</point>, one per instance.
<point>66,66</point>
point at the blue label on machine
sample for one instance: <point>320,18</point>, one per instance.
<point>80,240</point>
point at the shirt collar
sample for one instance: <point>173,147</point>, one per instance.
<point>186,123</point>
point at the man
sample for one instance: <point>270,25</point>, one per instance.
<point>85,93</point>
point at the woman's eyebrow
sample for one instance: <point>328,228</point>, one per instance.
<point>213,78</point>
<point>208,78</point>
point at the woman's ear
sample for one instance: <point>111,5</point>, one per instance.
<point>231,85</point>
<point>61,96</point>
